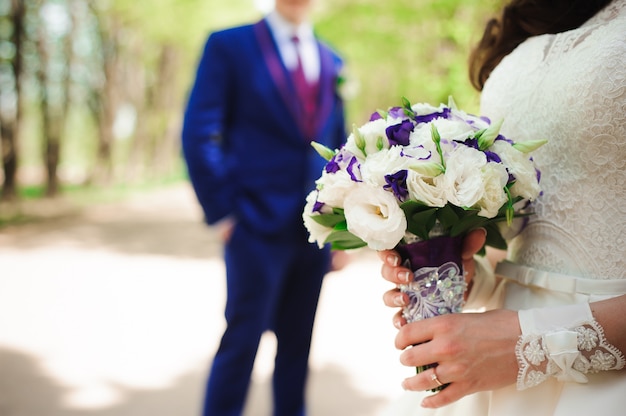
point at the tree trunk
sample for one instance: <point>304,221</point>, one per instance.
<point>8,133</point>
<point>10,119</point>
<point>104,101</point>
<point>168,109</point>
<point>53,52</point>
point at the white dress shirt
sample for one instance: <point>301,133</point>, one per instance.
<point>283,32</point>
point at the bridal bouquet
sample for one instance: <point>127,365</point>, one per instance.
<point>417,178</point>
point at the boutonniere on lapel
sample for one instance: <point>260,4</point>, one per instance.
<point>347,86</point>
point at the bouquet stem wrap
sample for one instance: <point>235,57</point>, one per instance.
<point>438,285</point>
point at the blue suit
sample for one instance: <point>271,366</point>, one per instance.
<point>249,157</point>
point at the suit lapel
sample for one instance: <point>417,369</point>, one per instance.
<point>284,85</point>
<point>277,70</point>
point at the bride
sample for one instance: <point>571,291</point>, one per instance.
<point>552,337</point>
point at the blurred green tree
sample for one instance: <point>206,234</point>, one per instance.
<point>99,86</point>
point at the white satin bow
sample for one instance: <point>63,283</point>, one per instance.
<point>563,349</point>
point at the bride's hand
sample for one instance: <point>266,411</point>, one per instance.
<point>393,272</point>
<point>474,352</point>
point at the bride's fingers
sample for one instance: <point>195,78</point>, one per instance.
<point>395,299</point>
<point>452,393</point>
<point>389,257</point>
<point>398,320</point>
<point>429,379</point>
<point>417,336</point>
<point>397,275</point>
<point>391,269</point>
<point>426,380</point>
<point>473,242</point>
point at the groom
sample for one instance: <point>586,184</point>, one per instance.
<point>262,93</point>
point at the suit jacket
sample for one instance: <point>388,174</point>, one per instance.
<point>243,135</point>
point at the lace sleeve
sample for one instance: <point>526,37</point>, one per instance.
<point>566,354</point>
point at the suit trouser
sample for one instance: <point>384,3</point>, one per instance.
<point>271,285</point>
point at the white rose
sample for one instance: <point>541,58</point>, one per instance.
<point>317,232</point>
<point>422,109</point>
<point>475,121</point>
<point>453,129</point>
<point>390,161</point>
<point>422,136</point>
<point>334,187</point>
<point>374,139</point>
<point>462,183</point>
<point>423,188</point>
<point>495,178</point>
<point>374,215</point>
<point>521,167</point>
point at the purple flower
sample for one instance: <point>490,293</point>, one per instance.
<point>470,142</point>
<point>332,166</point>
<point>404,154</point>
<point>397,183</point>
<point>345,160</point>
<point>501,137</point>
<point>427,118</point>
<point>511,180</point>
<point>317,206</point>
<point>398,134</point>
<point>339,160</point>
<point>492,156</point>
<point>471,121</point>
<point>375,116</point>
<point>538,172</point>
<point>354,170</point>
<point>473,142</point>
<point>397,112</point>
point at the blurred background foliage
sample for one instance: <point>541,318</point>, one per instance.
<point>92,91</point>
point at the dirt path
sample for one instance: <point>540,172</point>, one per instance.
<point>116,311</point>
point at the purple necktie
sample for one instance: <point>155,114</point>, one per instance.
<point>307,93</point>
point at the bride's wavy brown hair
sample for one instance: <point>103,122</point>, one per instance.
<point>521,19</point>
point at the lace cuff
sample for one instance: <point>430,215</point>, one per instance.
<point>566,353</point>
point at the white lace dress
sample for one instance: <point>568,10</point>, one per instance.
<point>571,89</point>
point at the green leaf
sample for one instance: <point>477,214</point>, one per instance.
<point>344,240</point>
<point>421,222</point>
<point>329,220</point>
<point>412,205</point>
<point>494,238</point>
<point>471,221</point>
<point>447,216</point>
